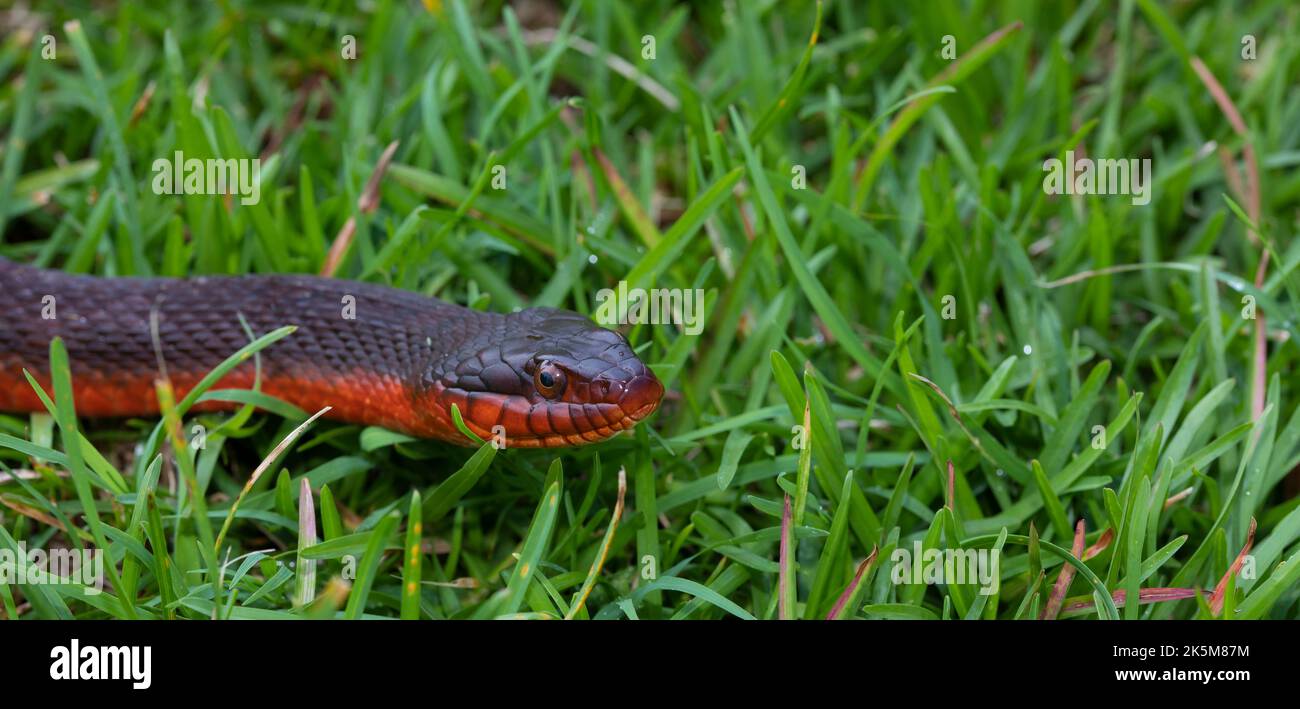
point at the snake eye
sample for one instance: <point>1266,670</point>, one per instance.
<point>549,380</point>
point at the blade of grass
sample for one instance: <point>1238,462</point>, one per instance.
<point>61,376</point>
<point>411,575</point>
<point>305,568</point>
<point>368,568</point>
<point>530,553</point>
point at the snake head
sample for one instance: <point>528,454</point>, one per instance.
<point>546,377</point>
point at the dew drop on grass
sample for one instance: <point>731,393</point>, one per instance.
<point>593,258</point>
<point>1029,350</point>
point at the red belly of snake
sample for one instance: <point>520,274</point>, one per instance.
<point>375,355</point>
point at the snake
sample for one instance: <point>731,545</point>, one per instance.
<point>375,355</point>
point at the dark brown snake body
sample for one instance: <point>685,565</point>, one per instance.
<point>539,377</point>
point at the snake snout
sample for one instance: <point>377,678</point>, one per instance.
<point>642,396</point>
<point>637,396</point>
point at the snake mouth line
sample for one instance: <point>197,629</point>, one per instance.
<point>551,438</point>
<point>641,413</point>
<point>527,422</point>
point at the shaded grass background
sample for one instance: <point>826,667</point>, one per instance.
<point>825,305</point>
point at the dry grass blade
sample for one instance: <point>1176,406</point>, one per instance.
<point>1067,575</point>
<point>32,513</point>
<point>1100,545</point>
<point>1216,598</point>
<point>1251,197</point>
<point>952,487</point>
<point>1176,498</point>
<point>952,408</point>
<point>841,604</point>
<point>1239,127</point>
<point>548,35</point>
<point>599,561</point>
<point>1145,596</point>
<point>24,474</point>
<point>366,203</point>
<point>142,104</point>
<point>262,468</point>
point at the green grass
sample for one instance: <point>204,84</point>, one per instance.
<point>921,346</point>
